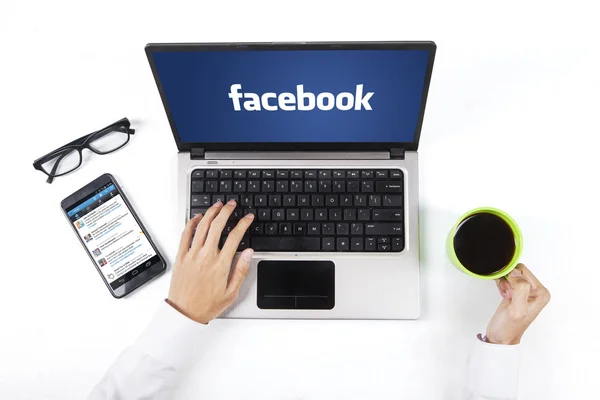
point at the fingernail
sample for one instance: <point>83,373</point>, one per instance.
<point>515,273</point>
<point>231,202</point>
<point>247,255</point>
<point>250,216</point>
<point>218,204</point>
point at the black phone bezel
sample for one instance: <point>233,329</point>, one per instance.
<point>138,280</point>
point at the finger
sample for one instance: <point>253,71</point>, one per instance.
<point>236,235</point>
<point>504,288</point>
<point>204,225</point>
<point>186,236</point>
<point>217,226</point>
<point>528,275</point>
<point>520,293</point>
<point>239,273</point>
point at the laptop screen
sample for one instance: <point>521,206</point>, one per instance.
<point>294,96</point>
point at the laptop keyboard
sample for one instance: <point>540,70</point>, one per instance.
<point>302,210</point>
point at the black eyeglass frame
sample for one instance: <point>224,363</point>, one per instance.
<point>81,144</point>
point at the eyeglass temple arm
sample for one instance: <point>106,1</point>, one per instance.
<point>54,168</point>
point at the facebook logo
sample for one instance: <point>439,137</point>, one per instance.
<point>301,100</point>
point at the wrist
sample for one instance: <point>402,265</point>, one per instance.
<point>494,339</point>
<point>183,312</point>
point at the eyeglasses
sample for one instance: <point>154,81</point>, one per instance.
<point>68,158</point>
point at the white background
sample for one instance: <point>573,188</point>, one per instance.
<point>511,122</point>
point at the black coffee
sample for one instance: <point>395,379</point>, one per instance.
<point>484,243</point>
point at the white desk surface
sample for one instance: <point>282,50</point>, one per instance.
<point>512,121</point>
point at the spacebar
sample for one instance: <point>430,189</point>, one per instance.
<point>296,243</point>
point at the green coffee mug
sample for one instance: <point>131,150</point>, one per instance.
<point>516,234</point>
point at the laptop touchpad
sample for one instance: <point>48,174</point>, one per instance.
<point>302,285</point>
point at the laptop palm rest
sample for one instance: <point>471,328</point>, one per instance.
<point>301,285</point>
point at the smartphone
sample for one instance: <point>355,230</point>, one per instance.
<point>113,236</point>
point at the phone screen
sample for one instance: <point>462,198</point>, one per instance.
<point>112,235</point>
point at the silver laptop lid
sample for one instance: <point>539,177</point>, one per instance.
<point>294,96</point>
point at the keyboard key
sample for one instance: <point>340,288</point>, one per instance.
<point>364,214</point>
<point>310,186</point>
<point>295,186</point>
<point>268,186</point>
<point>356,229</point>
<point>212,174</point>
<point>335,214</point>
<point>253,186</point>
<point>269,173</point>
<point>383,247</point>
<point>352,186</point>
<point>352,174</point>
<point>212,186</point>
<point>260,200</point>
<point>321,214</point>
<point>275,200</point>
<point>317,200</point>
<point>314,228</point>
<point>225,186</point>
<point>349,214</point>
<point>247,211</point>
<point>328,228</point>
<point>197,186</point>
<point>389,187</point>
<point>342,244</point>
<point>263,214</point>
<point>218,197</point>
<point>285,229</point>
<point>292,214</point>
<point>331,200</point>
<point>299,229</point>
<point>366,174</point>
<point>310,174</point>
<point>228,174</point>
<point>356,244</point>
<point>239,186</point>
<point>342,229</point>
<point>383,240</point>
<point>198,174</point>
<point>381,174</point>
<point>328,244</point>
<point>374,200</point>
<point>396,173</point>
<point>398,244</point>
<point>257,228</point>
<point>325,174</point>
<point>244,243</point>
<point>294,243</point>
<point>339,186</point>
<point>370,244</point>
<point>236,215</point>
<point>278,214</point>
<point>339,174</point>
<point>228,227</point>
<point>254,173</point>
<point>346,200</point>
<point>324,186</point>
<point>289,200</point>
<point>246,200</point>
<point>239,174</point>
<point>282,174</point>
<point>201,200</point>
<point>360,200</point>
<point>270,228</point>
<point>303,200</point>
<point>387,214</point>
<point>234,197</point>
<point>392,200</point>
<point>282,186</point>
<point>383,228</point>
<point>196,211</point>
<point>366,186</point>
<point>306,214</point>
<point>295,174</point>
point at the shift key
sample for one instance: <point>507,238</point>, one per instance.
<point>383,228</point>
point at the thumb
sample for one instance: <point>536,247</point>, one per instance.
<point>240,271</point>
<point>520,296</point>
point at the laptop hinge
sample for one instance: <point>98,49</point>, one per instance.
<point>397,153</point>
<point>296,155</point>
<point>197,154</point>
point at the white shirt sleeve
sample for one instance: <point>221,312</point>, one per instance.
<point>493,372</point>
<point>149,368</point>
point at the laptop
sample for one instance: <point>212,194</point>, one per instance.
<point>319,141</point>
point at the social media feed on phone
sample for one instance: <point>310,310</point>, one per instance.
<point>112,236</point>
